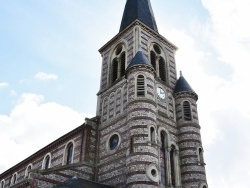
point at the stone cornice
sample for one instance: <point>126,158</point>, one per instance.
<point>145,28</point>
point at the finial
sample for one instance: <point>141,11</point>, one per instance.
<point>180,73</point>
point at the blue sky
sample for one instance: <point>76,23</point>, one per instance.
<point>50,72</point>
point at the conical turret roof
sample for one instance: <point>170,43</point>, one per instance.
<point>139,59</point>
<point>182,86</point>
<point>138,10</point>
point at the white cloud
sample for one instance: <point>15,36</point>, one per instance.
<point>31,125</point>
<point>223,104</point>
<point>13,93</point>
<point>3,84</point>
<point>45,76</point>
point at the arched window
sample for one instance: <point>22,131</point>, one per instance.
<point>163,153</point>
<point>47,162</point>
<point>27,171</point>
<point>118,63</point>
<point>200,156</point>
<point>152,134</point>
<point>159,62</point>
<point>172,165</point>
<point>153,59</point>
<point>69,158</point>
<point>2,184</point>
<point>187,111</point>
<point>204,186</point>
<point>13,179</point>
<point>140,86</point>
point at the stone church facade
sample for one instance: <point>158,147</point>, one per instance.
<point>146,131</point>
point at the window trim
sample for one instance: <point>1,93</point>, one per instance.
<point>2,183</point>
<point>44,161</point>
<point>109,151</point>
<point>157,58</point>
<point>27,172</point>
<point>152,134</point>
<point>12,180</point>
<point>114,57</point>
<point>65,155</point>
<point>200,156</point>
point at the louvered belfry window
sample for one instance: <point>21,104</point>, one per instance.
<point>187,111</point>
<point>140,86</point>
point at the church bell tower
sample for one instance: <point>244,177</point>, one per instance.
<point>149,133</point>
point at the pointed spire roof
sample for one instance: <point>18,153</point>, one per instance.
<point>138,10</point>
<point>182,85</point>
<point>139,59</point>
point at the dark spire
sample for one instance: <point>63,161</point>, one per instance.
<point>182,85</point>
<point>141,10</point>
<point>139,59</point>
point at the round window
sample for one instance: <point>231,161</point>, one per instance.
<point>153,172</point>
<point>118,50</point>
<point>157,49</point>
<point>113,141</point>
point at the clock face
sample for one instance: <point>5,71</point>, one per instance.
<point>161,93</point>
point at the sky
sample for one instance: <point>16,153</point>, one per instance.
<point>50,73</point>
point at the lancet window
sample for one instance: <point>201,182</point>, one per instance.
<point>118,63</point>
<point>27,171</point>
<point>163,158</point>
<point>169,165</point>
<point>69,153</point>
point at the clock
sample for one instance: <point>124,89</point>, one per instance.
<point>161,93</point>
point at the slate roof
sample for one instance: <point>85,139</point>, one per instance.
<point>80,183</point>
<point>141,10</point>
<point>139,59</point>
<point>182,86</point>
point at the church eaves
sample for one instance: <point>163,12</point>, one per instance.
<point>138,10</point>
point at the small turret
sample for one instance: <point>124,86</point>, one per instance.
<point>142,159</point>
<point>182,86</point>
<point>191,152</point>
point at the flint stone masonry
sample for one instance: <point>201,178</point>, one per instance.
<point>154,140</point>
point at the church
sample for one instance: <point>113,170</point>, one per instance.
<point>146,132</point>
